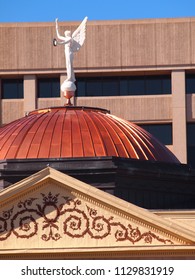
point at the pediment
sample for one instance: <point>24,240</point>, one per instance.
<point>51,210</point>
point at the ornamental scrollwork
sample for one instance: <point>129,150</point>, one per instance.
<point>55,217</point>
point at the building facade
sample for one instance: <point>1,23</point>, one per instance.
<point>143,71</point>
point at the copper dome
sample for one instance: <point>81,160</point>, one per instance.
<point>65,132</point>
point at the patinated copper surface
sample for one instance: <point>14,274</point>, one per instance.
<point>78,132</point>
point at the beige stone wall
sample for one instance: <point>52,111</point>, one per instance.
<point>152,108</point>
<point>29,93</point>
<point>179,115</point>
<point>12,109</point>
<point>184,218</point>
<point>48,102</point>
<point>110,45</point>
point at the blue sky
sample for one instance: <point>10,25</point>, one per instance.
<point>73,10</point>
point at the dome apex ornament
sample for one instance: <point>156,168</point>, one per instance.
<point>72,43</point>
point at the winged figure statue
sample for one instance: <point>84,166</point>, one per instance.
<point>72,43</point>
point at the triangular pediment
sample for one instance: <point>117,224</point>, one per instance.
<point>51,210</point>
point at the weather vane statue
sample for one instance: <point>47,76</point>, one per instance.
<point>72,43</point>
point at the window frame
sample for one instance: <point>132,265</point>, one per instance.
<point>124,85</point>
<point>18,91</point>
<point>50,82</point>
<point>190,77</point>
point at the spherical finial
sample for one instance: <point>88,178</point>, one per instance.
<point>68,88</point>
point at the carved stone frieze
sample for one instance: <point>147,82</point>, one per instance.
<point>52,217</point>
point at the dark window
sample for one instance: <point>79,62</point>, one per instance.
<point>12,88</point>
<point>166,85</point>
<point>110,87</point>
<point>163,132</point>
<point>137,86</point>
<point>191,156</point>
<point>153,85</point>
<point>191,144</point>
<point>190,83</point>
<point>81,88</point>
<point>93,88</point>
<point>126,85</point>
<point>48,87</point>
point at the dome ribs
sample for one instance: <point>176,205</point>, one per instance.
<point>151,145</point>
<point>24,147</point>
<point>142,150</point>
<point>87,143</point>
<point>148,141</point>
<point>120,140</point>
<point>37,139</point>
<point>98,143</point>
<point>5,133</point>
<point>15,138</point>
<point>77,145</point>
<point>55,147</point>
<point>162,151</point>
<point>45,146</point>
<point>105,135</point>
<point>7,130</point>
<point>66,144</point>
<point>71,132</point>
